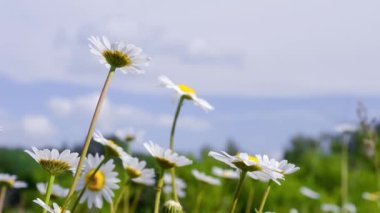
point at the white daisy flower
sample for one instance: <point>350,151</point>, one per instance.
<point>11,181</point>
<point>137,171</point>
<point>371,196</point>
<point>115,150</point>
<point>56,190</point>
<point>187,92</point>
<point>129,135</point>
<point>307,192</point>
<point>255,167</point>
<point>205,178</point>
<point>54,162</point>
<point>166,158</point>
<point>328,207</point>
<point>55,209</point>
<point>101,184</point>
<point>283,166</point>
<point>180,185</point>
<point>225,173</point>
<point>126,57</point>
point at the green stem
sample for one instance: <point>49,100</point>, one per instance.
<point>264,199</point>
<point>250,199</point>
<point>160,183</point>
<point>237,191</point>
<point>124,189</point>
<point>2,197</point>
<point>198,202</point>
<point>344,175</point>
<point>88,137</point>
<point>174,188</point>
<point>136,200</point>
<point>85,186</point>
<point>48,191</point>
<point>179,106</point>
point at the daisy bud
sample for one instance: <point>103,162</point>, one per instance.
<point>172,206</point>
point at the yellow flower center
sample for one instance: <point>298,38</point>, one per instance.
<point>184,88</point>
<point>243,165</point>
<point>54,167</point>
<point>7,183</point>
<point>164,163</point>
<point>253,158</point>
<point>134,173</point>
<point>117,58</point>
<point>130,137</point>
<point>94,182</point>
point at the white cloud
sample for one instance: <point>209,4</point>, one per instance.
<point>114,116</point>
<point>38,126</point>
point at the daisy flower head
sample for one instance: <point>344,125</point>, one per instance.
<point>55,209</point>
<point>129,135</point>
<point>225,173</point>
<point>56,191</point>
<point>346,128</point>
<point>9,180</point>
<point>126,57</point>
<point>180,185</point>
<point>111,146</point>
<point>186,92</point>
<point>137,171</point>
<point>307,192</point>
<point>166,158</point>
<point>54,162</point>
<point>205,178</point>
<point>255,167</point>
<point>99,185</point>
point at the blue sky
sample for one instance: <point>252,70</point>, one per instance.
<point>272,69</point>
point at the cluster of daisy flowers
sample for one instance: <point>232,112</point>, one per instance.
<point>101,180</point>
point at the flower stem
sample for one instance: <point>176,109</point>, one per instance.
<point>48,191</point>
<point>264,199</point>
<point>237,191</point>
<point>250,199</point>
<point>2,197</point>
<point>198,202</point>
<point>124,189</point>
<point>179,106</point>
<point>89,136</point>
<point>160,183</point>
<point>85,186</point>
<point>136,200</point>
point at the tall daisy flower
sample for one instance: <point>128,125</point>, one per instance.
<point>186,92</point>
<point>205,178</point>
<point>225,173</point>
<point>99,185</point>
<point>57,190</point>
<point>8,181</point>
<point>137,171</point>
<point>46,207</point>
<point>54,162</point>
<point>180,185</point>
<point>112,147</point>
<point>126,57</point>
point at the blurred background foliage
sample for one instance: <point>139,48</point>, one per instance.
<point>318,157</point>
